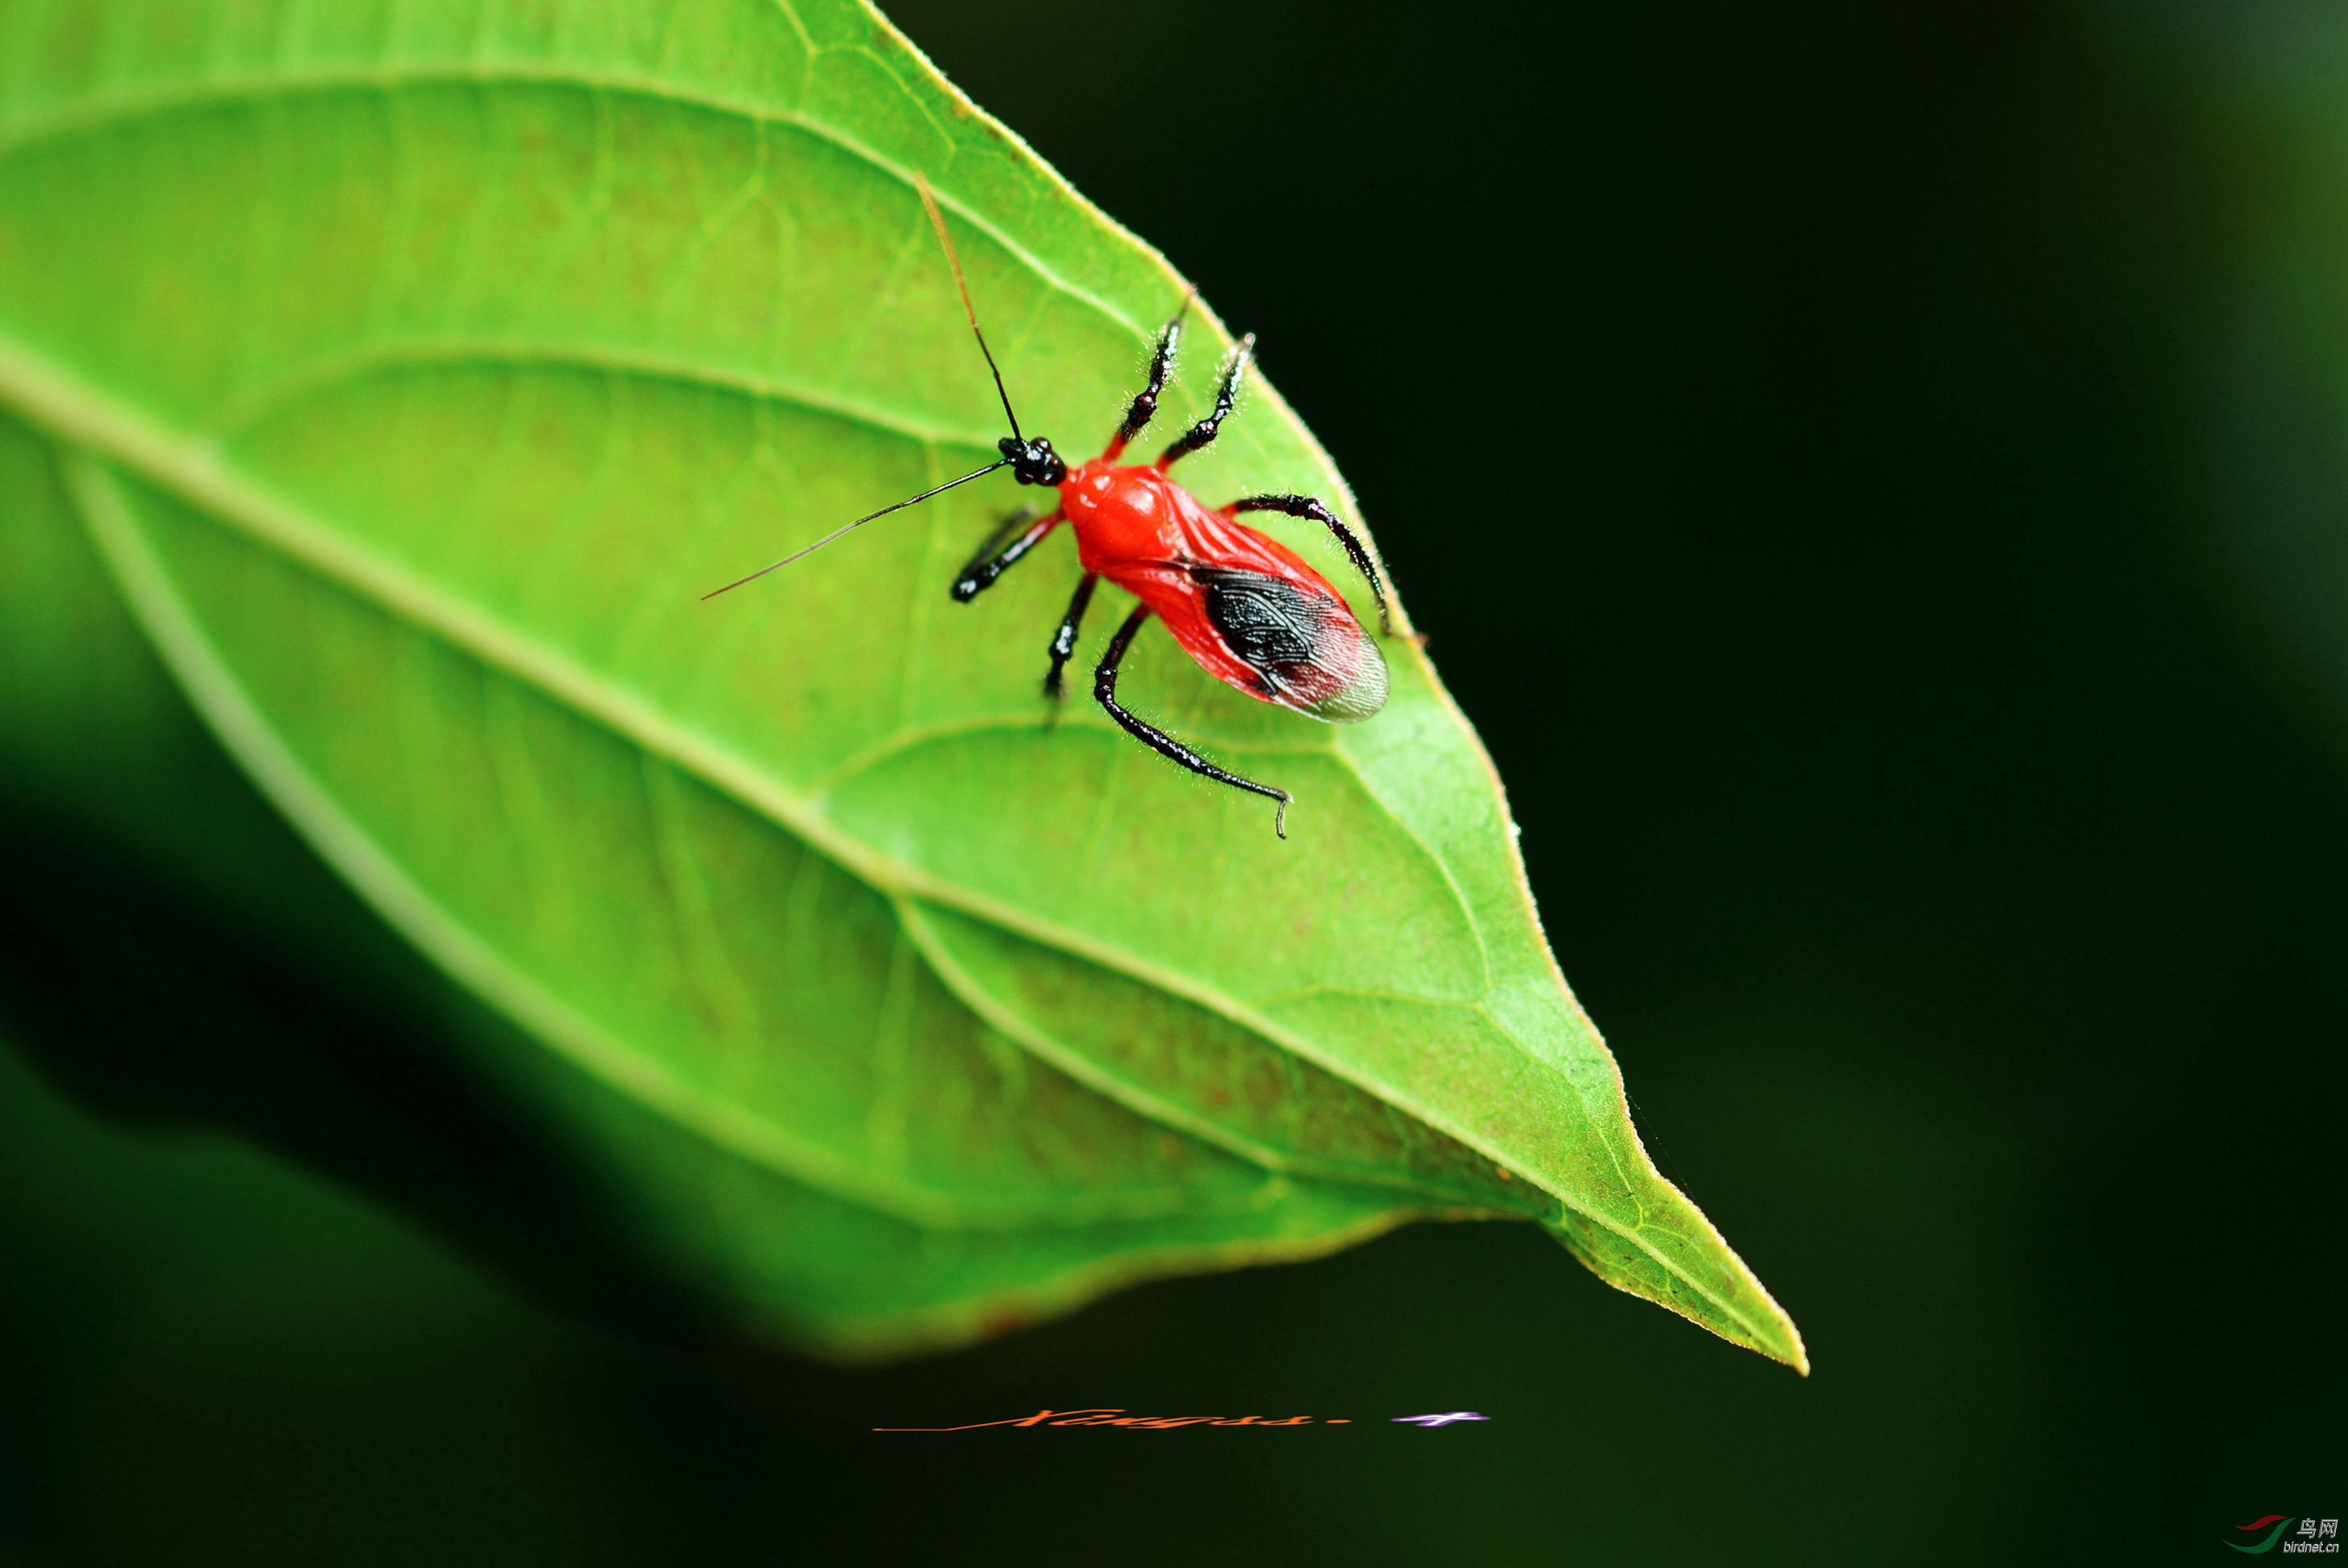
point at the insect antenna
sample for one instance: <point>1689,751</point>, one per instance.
<point>938,221</point>
<point>837,533</point>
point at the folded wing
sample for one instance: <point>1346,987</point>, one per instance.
<point>1302,648</point>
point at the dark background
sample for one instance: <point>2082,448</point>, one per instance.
<point>1793,422</point>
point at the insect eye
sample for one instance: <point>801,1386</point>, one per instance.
<point>1032,462</point>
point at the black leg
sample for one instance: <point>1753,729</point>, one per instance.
<point>978,574</point>
<point>1158,740</point>
<point>1306,506</point>
<point>1064,641</point>
<point>1161,364</point>
<point>993,540</point>
<point>1203,432</point>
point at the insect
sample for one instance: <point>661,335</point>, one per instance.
<point>1244,606</point>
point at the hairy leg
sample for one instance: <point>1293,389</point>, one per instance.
<point>1158,740</point>
<point>1227,393</point>
<point>1064,641</point>
<point>1307,507</point>
<point>978,574</point>
<point>1145,402</point>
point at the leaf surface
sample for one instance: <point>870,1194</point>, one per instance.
<point>416,367</point>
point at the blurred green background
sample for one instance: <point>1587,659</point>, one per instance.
<point>1904,596</point>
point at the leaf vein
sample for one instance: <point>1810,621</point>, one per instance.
<point>256,406</point>
<point>106,112</point>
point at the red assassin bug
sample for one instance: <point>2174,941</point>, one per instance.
<point>1245,606</point>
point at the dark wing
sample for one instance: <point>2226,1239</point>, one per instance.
<point>1307,649</point>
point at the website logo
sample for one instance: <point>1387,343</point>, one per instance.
<point>2312,1534</point>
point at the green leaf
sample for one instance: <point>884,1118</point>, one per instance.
<point>416,367</point>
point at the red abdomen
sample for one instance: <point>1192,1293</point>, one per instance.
<point>1247,608</point>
